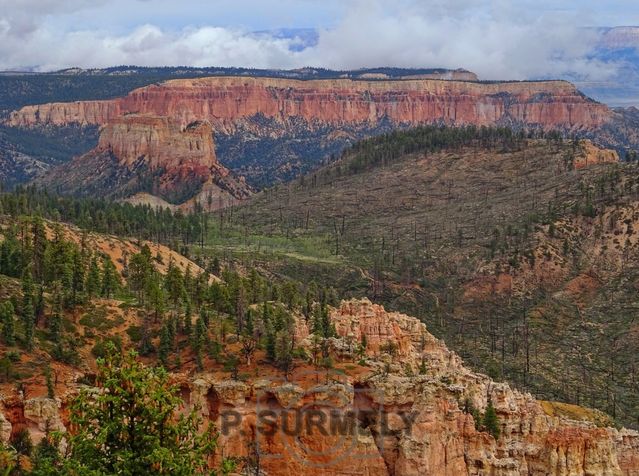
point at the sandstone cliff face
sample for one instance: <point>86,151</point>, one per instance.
<point>179,161</point>
<point>593,155</point>
<point>442,439</point>
<point>161,141</point>
<point>224,100</point>
<point>272,130</point>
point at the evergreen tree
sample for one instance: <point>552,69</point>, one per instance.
<point>39,304</point>
<point>156,296</point>
<point>491,420</point>
<point>93,285</point>
<point>28,312</point>
<point>78,272</point>
<point>39,249</point>
<point>132,425</point>
<point>165,346</point>
<point>10,254</point>
<point>240,309</point>
<point>270,346</point>
<point>55,324</point>
<point>174,284</point>
<point>198,341</point>
<point>215,266</point>
<point>49,381</point>
<point>284,346</point>
<point>188,316</point>
<point>8,324</point>
<point>205,316</point>
<point>110,278</point>
<point>140,270</point>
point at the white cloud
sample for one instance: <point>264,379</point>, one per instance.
<point>496,42</point>
<point>495,38</point>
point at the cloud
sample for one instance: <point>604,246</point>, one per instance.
<point>495,41</point>
<point>494,38</point>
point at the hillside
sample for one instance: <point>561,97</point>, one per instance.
<point>511,249</point>
<point>244,343</point>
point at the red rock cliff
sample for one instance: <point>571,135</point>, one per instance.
<point>225,100</point>
<point>160,140</point>
<point>442,440</point>
<point>180,159</point>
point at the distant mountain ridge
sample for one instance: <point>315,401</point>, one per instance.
<point>272,129</point>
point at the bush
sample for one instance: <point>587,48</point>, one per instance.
<point>100,349</point>
<point>21,442</point>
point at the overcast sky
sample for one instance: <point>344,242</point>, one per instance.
<point>514,39</point>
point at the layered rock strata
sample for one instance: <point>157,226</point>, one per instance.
<point>438,437</point>
<point>225,100</point>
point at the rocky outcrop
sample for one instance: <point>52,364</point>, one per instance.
<point>161,141</point>
<point>225,100</point>
<point>178,162</point>
<point>590,154</point>
<point>441,438</point>
<point>404,423</point>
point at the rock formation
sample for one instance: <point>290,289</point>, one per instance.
<point>226,100</point>
<point>162,142</point>
<point>590,154</point>
<point>274,129</point>
<point>408,422</point>
<point>180,159</point>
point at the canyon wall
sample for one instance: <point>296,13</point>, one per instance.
<point>154,159</point>
<point>439,438</point>
<point>160,140</point>
<point>272,129</point>
<point>224,100</point>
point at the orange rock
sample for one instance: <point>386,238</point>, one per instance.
<point>161,141</point>
<point>439,440</point>
<point>590,155</point>
<point>225,100</point>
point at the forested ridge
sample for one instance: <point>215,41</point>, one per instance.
<point>62,302</point>
<point>430,221</point>
<point>487,235</point>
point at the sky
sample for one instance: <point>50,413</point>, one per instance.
<point>497,39</point>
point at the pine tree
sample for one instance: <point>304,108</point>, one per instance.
<point>188,316</point>
<point>270,343</point>
<point>140,271</point>
<point>10,254</point>
<point>240,309</point>
<point>39,249</point>
<point>174,284</point>
<point>93,284</point>
<point>284,352</point>
<point>156,296</point>
<point>55,324</point>
<point>198,341</point>
<point>28,313</point>
<point>165,346</point>
<point>206,317</point>
<point>78,272</point>
<point>159,441</point>
<point>110,278</point>
<point>491,420</point>
<point>8,324</point>
<point>39,304</point>
<point>215,266</point>
<point>49,380</point>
